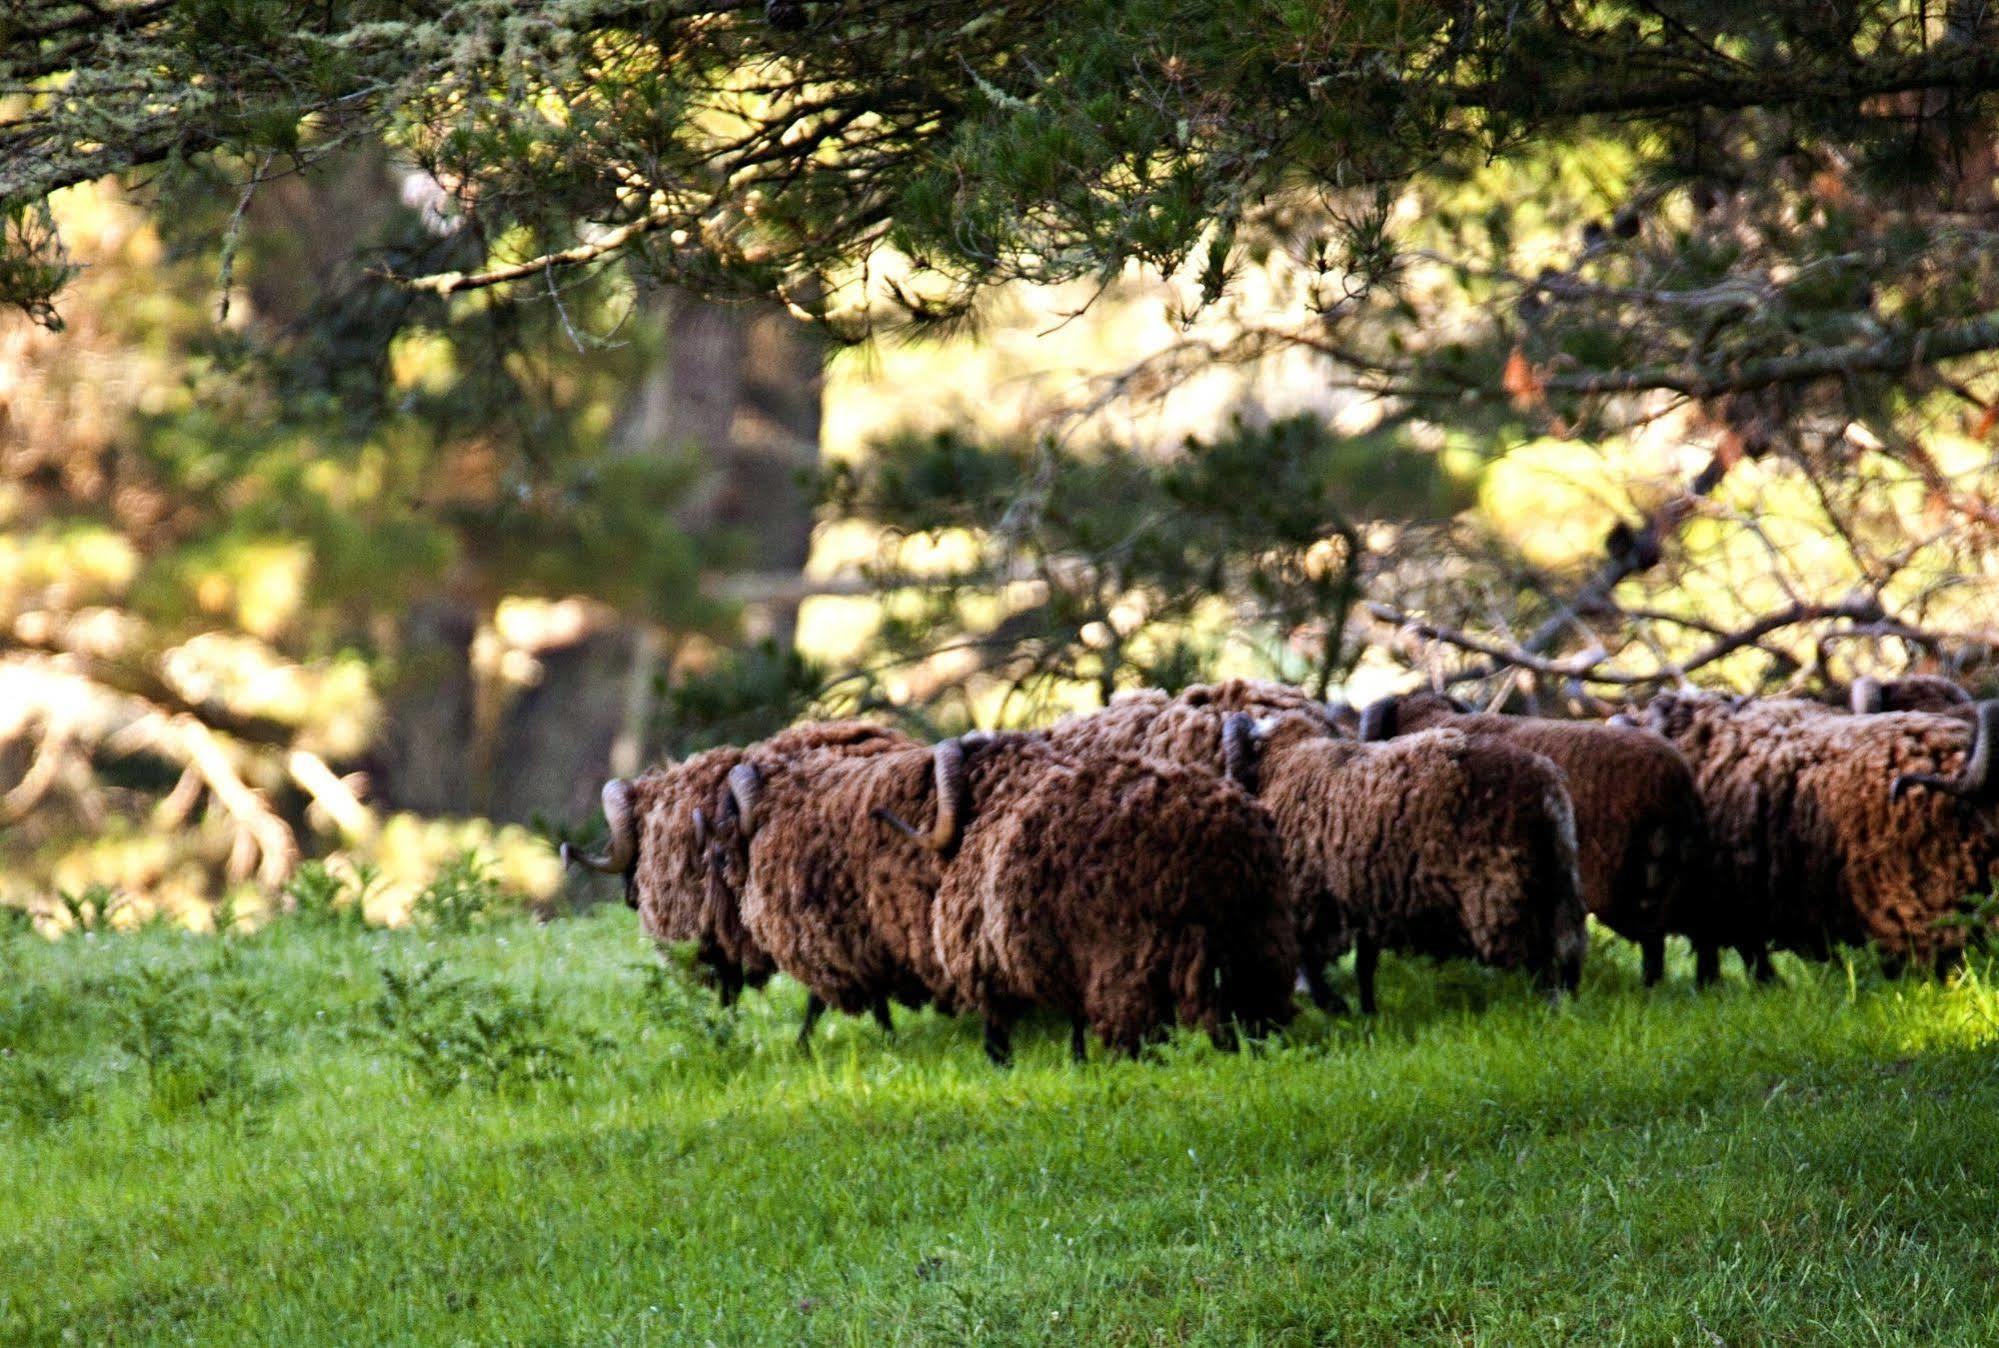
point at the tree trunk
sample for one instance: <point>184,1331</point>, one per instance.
<point>741,387</point>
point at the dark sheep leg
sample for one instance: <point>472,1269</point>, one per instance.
<point>1653,948</point>
<point>1321,990</point>
<point>1707,963</point>
<point>814,1008</point>
<point>884,1018</point>
<point>999,1042</point>
<point>1079,1048</point>
<point>1366,956</point>
<point>1756,962</point>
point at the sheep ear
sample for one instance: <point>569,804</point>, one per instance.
<point>1865,697</point>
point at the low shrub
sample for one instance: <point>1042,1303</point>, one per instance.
<point>454,1031</point>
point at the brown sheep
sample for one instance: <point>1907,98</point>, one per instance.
<point>820,885</point>
<point>1821,830</point>
<point>1639,825</point>
<point>669,840</point>
<point>1122,892</point>
<point>1433,844</point>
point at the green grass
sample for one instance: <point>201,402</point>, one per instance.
<point>1814,1164</point>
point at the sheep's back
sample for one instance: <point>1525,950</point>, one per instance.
<point>1086,890</point>
<point>1435,840</point>
<point>841,902</point>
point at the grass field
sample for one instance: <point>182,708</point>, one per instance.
<point>258,1138</point>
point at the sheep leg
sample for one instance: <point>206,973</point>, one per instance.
<point>1079,1049</point>
<point>1947,961</point>
<point>1756,962</point>
<point>1366,956</point>
<point>1320,990</point>
<point>1707,963</point>
<point>815,1007</point>
<point>730,979</point>
<point>1653,949</point>
<point>884,1018</point>
<point>999,1042</point>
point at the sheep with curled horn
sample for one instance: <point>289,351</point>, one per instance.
<point>1911,692</point>
<point>1640,828</point>
<point>1434,844</point>
<point>1833,829</point>
<point>676,840</point>
<point>1003,875</point>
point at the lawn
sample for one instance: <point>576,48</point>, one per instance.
<point>531,1133</point>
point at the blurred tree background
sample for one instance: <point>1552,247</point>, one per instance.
<point>412,411</point>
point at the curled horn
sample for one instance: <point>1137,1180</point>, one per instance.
<point>1239,749</point>
<point>744,784</point>
<point>1378,719</point>
<point>1865,696</point>
<point>1974,780</point>
<point>621,814</point>
<point>947,765</point>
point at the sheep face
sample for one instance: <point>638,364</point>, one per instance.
<point>679,876</point>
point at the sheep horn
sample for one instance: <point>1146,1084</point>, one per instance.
<point>1974,779</point>
<point>621,815</point>
<point>947,762</point>
<point>1239,749</point>
<point>1865,697</point>
<point>1378,719</point>
<point>744,784</point>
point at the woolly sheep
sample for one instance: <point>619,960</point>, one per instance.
<point>1435,844</point>
<point>1120,893</point>
<point>1842,829</point>
<point>1640,830</point>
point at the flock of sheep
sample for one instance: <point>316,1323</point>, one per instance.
<point>1191,859</point>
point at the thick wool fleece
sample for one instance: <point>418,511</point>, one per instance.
<point>1428,844</point>
<point>678,875</point>
<point>1126,894</point>
<point>828,890</point>
<point>672,879</point>
<point>1436,843</point>
<point>1807,840</point>
<point>1640,830</point>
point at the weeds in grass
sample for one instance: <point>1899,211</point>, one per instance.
<point>677,998</point>
<point>323,897</point>
<point>15,922</point>
<point>464,894</point>
<point>92,908</point>
<point>455,1031</point>
<point>34,1095</point>
<point>197,1043</point>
